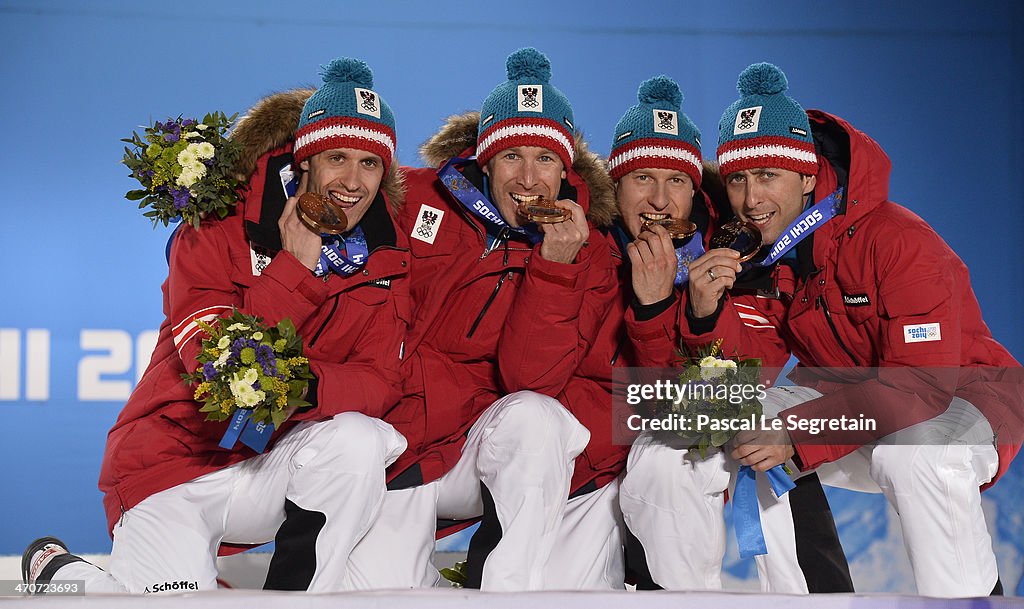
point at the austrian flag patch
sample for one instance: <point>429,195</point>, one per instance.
<point>922,333</point>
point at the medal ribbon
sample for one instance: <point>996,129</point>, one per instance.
<point>477,203</point>
<point>253,435</point>
<point>343,255</point>
<point>685,254</point>
<point>801,228</point>
<point>745,512</point>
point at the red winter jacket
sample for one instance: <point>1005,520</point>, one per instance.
<point>862,285</point>
<point>352,329</point>
<point>488,324</point>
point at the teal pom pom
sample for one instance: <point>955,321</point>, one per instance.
<point>660,91</point>
<point>346,69</point>
<point>762,79</point>
<point>528,64</point>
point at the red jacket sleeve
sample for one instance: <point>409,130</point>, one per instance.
<point>655,341</point>
<point>554,319</point>
<point>748,326</point>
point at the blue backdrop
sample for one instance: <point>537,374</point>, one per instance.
<point>936,83</point>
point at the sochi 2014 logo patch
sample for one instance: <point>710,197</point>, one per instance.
<point>747,120</point>
<point>665,121</point>
<point>367,102</point>
<point>427,222</point>
<point>922,333</point>
<point>531,98</point>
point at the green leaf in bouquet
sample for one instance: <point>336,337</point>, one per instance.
<point>135,195</point>
<point>278,417</point>
<point>719,438</point>
<point>297,402</point>
<point>211,406</point>
<point>261,414</point>
<point>287,328</point>
<point>295,387</point>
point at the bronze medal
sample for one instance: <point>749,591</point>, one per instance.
<point>744,237</point>
<point>321,214</point>
<point>678,228</point>
<point>542,211</point>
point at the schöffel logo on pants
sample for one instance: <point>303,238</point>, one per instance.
<point>171,586</point>
<point>856,300</point>
<point>921,333</point>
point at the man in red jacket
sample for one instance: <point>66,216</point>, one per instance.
<point>901,386</point>
<point>504,310</point>
<point>172,495</point>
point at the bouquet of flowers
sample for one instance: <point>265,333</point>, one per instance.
<point>185,168</point>
<point>716,398</point>
<point>246,365</point>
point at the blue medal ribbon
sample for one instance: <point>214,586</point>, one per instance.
<point>685,254</point>
<point>477,203</point>
<point>235,427</point>
<point>256,435</point>
<point>811,220</point>
<point>241,427</point>
<point>342,255</point>
<point>745,512</point>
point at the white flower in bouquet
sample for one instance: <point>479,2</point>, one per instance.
<point>712,367</point>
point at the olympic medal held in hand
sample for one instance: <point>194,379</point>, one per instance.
<point>321,214</point>
<point>542,211</point>
<point>744,237</point>
<point>678,228</point>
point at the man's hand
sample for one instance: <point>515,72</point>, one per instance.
<point>296,237</point>
<point>563,241</point>
<point>710,276</point>
<point>654,265</point>
<point>762,449</point>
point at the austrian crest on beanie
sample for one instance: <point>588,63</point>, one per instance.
<point>765,127</point>
<point>656,134</point>
<point>526,111</point>
<point>345,112</point>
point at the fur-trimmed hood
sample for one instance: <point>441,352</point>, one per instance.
<point>459,133</point>
<point>271,124</point>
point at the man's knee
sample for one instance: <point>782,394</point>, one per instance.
<point>356,439</point>
<point>904,467</point>
<point>534,423</point>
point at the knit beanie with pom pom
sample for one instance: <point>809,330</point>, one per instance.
<point>656,134</point>
<point>526,110</point>
<point>765,127</point>
<point>346,112</point>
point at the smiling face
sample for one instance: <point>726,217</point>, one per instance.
<point>523,173</point>
<point>770,198</point>
<point>348,176</point>
<point>654,193</point>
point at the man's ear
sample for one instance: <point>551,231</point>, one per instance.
<point>304,165</point>
<point>564,174</point>
<point>809,183</point>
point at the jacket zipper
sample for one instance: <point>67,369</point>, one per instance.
<point>487,304</point>
<point>320,330</point>
<point>618,351</point>
<point>820,303</point>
